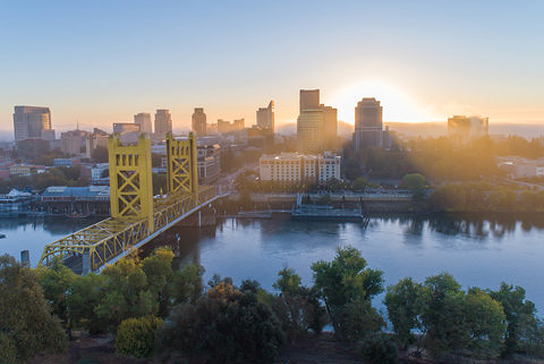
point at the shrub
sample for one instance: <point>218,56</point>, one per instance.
<point>226,326</point>
<point>378,348</point>
<point>136,336</point>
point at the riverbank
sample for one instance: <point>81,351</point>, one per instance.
<point>323,349</point>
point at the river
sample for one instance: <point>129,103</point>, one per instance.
<point>478,251</point>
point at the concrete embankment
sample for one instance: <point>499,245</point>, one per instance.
<point>368,203</point>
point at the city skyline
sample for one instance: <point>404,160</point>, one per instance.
<point>424,60</point>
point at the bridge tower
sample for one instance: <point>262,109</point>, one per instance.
<point>131,186</point>
<point>182,170</point>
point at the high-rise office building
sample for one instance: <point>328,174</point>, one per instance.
<point>473,126</point>
<point>265,117</point>
<point>163,123</point>
<point>309,99</point>
<point>199,121</point>
<point>368,124</point>
<point>144,120</point>
<point>317,124</point>
<point>30,122</point>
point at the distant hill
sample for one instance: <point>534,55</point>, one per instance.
<point>429,129</point>
<point>434,129</point>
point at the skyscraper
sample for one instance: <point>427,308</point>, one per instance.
<point>368,124</point>
<point>30,122</point>
<point>309,99</point>
<point>265,117</point>
<point>144,120</point>
<point>317,124</point>
<point>199,121</point>
<point>473,126</point>
<point>163,123</point>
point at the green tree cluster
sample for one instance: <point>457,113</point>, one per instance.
<point>450,322</point>
<point>227,325</point>
<point>484,197</point>
<point>136,336</point>
<point>346,286</point>
<point>246,324</point>
<point>297,307</point>
<point>129,289</point>
<point>26,324</point>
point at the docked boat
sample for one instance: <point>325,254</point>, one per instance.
<point>320,212</point>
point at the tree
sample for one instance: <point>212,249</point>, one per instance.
<point>378,348</point>
<point>345,281</point>
<point>297,307</point>
<point>158,271</point>
<point>56,281</point>
<point>187,283</point>
<point>126,294</point>
<point>26,324</point>
<point>225,326</point>
<point>415,182</point>
<point>85,294</point>
<point>443,315</point>
<point>136,336</point>
<point>359,184</point>
<point>405,302</point>
<point>519,313</point>
<point>457,322</point>
<point>485,320</point>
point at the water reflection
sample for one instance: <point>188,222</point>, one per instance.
<point>479,250</point>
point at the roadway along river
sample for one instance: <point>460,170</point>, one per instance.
<point>479,252</point>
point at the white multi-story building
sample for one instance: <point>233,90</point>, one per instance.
<point>97,171</point>
<point>296,167</point>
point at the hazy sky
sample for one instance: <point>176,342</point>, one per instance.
<point>99,62</point>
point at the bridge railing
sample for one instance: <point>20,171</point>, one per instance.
<point>110,238</point>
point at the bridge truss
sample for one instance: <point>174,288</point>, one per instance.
<point>136,218</point>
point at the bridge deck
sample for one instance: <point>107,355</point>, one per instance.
<point>110,240</point>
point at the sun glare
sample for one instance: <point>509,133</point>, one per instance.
<point>397,106</point>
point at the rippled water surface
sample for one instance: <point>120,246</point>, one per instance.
<point>477,251</point>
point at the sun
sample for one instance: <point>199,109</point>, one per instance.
<point>397,106</point>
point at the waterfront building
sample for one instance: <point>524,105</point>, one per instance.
<point>31,122</point>
<point>368,124</point>
<point>317,124</point>
<point>144,120</point>
<point>199,121</point>
<point>297,167</point>
<point>265,117</point>
<point>163,124</point>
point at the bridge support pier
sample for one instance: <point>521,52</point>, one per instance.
<point>86,263</point>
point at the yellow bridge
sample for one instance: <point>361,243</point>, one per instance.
<point>136,217</point>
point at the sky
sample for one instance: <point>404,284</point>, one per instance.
<point>102,61</point>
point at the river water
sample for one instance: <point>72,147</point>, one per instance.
<point>478,251</point>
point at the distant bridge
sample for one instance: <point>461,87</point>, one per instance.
<point>136,217</point>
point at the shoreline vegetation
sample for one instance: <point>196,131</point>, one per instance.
<point>152,311</point>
